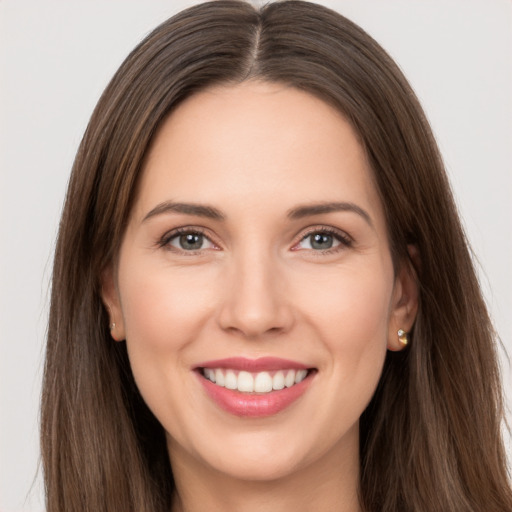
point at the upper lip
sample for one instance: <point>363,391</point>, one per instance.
<point>254,365</point>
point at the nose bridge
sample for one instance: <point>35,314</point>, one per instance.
<point>254,302</point>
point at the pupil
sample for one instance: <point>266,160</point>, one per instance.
<point>191,241</point>
<point>321,241</point>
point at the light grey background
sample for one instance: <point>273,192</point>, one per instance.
<point>56,58</point>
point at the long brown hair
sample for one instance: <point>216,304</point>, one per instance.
<point>430,438</point>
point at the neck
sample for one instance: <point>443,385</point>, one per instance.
<point>326,485</point>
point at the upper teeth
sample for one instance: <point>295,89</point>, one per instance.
<point>261,382</point>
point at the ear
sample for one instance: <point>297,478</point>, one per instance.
<point>404,305</point>
<point>112,302</point>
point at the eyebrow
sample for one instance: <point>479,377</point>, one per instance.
<point>198,210</point>
<point>298,212</point>
<point>321,208</point>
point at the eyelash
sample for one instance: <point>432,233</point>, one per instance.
<point>166,239</point>
<point>344,240</point>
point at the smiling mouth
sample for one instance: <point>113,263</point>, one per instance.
<point>255,388</point>
<point>255,382</point>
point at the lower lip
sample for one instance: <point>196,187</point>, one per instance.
<point>254,405</point>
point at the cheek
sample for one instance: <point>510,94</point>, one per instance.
<point>164,312</point>
<point>352,297</point>
<point>352,319</point>
<point>162,309</point>
<point>350,310</point>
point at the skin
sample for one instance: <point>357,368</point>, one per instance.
<point>257,287</point>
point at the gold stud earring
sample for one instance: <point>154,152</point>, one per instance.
<point>403,337</point>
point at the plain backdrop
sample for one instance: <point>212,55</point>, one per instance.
<point>55,60</point>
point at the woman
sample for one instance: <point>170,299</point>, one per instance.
<point>262,295</point>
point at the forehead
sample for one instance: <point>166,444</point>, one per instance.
<point>256,142</point>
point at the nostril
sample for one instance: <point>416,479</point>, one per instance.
<point>253,303</point>
<point>254,323</point>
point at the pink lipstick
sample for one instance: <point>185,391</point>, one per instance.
<point>254,387</point>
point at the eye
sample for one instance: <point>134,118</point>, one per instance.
<point>323,240</point>
<point>187,240</point>
<point>319,241</point>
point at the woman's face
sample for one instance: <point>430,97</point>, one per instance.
<point>257,256</point>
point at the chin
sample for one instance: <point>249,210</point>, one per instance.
<point>259,456</point>
<point>258,469</point>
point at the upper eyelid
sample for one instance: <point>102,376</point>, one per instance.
<point>305,232</point>
<point>173,233</point>
<point>320,228</point>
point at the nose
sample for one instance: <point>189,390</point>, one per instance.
<point>255,302</point>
